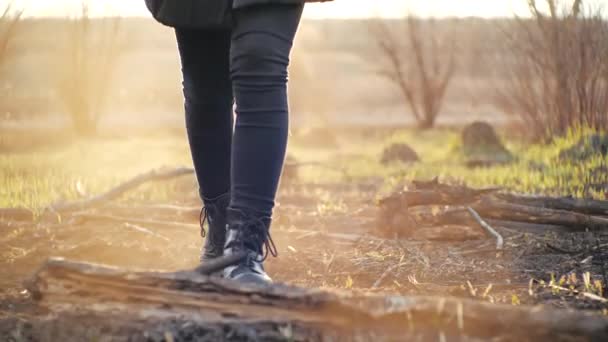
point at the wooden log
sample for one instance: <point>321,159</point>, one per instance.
<point>536,228</point>
<point>62,286</point>
<point>443,196</point>
<point>579,205</point>
<point>500,210</point>
<point>434,204</point>
<point>437,186</point>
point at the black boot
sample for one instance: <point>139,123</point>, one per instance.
<point>214,212</point>
<point>251,235</point>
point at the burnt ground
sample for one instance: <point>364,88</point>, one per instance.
<point>327,238</point>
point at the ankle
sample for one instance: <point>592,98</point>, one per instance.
<point>241,216</point>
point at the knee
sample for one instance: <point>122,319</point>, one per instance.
<point>259,55</point>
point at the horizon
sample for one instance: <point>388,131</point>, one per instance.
<point>338,9</point>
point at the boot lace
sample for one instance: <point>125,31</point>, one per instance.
<point>254,234</point>
<point>203,216</point>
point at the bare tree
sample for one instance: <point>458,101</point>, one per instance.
<point>557,69</point>
<point>92,50</point>
<point>8,25</point>
<point>9,20</point>
<point>421,65</point>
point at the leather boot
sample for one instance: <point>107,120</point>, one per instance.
<point>249,234</point>
<point>214,213</point>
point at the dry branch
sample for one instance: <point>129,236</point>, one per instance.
<point>63,286</point>
<point>161,224</point>
<point>151,176</point>
<point>16,214</point>
<point>451,232</point>
<point>145,231</point>
<point>499,240</point>
<point>385,274</point>
<point>168,211</point>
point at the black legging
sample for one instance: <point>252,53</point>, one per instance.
<point>248,64</point>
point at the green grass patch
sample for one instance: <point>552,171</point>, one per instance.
<point>34,179</point>
<point>537,168</point>
<point>38,178</point>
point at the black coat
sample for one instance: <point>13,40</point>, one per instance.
<point>204,13</point>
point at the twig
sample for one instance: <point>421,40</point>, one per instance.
<point>154,175</point>
<point>335,236</point>
<point>158,210</point>
<point>487,227</point>
<point>386,273</point>
<point>165,224</point>
<point>582,293</point>
<point>145,231</point>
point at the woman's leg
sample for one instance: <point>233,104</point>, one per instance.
<point>261,43</point>
<point>205,59</point>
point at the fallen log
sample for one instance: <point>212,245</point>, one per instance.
<point>536,228</point>
<point>514,212</point>
<point>579,205</point>
<point>442,195</point>
<point>66,287</point>
<point>403,220</point>
<point>433,204</point>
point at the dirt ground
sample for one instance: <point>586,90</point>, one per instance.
<point>321,245</point>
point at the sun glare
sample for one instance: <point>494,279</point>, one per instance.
<point>334,9</point>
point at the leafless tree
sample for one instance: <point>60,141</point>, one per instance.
<point>557,69</point>
<point>8,25</point>
<point>9,20</point>
<point>418,61</point>
<point>92,50</point>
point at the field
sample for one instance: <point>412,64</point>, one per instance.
<point>329,193</point>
